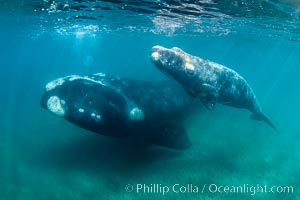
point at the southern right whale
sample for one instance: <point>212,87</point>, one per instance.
<point>151,112</point>
<point>210,82</point>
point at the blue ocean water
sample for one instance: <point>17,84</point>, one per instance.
<point>45,157</point>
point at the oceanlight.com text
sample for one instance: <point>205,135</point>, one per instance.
<point>164,189</point>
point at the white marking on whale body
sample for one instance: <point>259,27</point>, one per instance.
<point>73,77</point>
<point>58,82</point>
<point>100,74</point>
<point>155,56</point>
<point>76,77</point>
<point>54,105</point>
<point>53,84</point>
<point>136,114</point>
<point>188,64</point>
<point>81,110</point>
<point>92,80</point>
<point>97,117</point>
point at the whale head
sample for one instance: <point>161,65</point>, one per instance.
<point>174,62</point>
<point>89,103</point>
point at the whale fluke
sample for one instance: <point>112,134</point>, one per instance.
<point>262,117</point>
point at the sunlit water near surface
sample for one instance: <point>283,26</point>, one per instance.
<point>45,157</point>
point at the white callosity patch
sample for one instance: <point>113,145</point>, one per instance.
<point>100,74</point>
<point>81,110</point>
<point>76,77</point>
<point>136,114</point>
<point>156,52</point>
<point>53,84</point>
<point>54,104</point>
<point>92,80</point>
<point>188,63</point>
<point>97,117</point>
<point>58,82</point>
<point>189,66</point>
<point>73,77</point>
<point>155,56</point>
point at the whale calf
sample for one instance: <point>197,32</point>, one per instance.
<point>151,112</point>
<point>210,82</point>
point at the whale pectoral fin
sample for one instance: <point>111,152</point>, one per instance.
<point>208,96</point>
<point>171,136</point>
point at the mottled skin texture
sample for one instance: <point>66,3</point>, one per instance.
<point>232,89</point>
<point>210,82</point>
<point>126,108</point>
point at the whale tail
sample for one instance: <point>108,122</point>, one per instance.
<point>262,117</point>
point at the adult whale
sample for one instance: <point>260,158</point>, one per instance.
<point>210,82</point>
<point>151,112</point>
